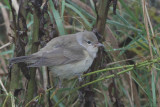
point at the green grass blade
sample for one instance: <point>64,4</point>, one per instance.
<point>56,100</point>
<point>57,18</point>
<point>153,90</point>
<point>63,8</point>
<point>6,52</point>
<point>79,13</point>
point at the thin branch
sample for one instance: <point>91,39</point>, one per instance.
<point>5,45</point>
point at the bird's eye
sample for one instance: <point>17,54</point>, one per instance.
<point>89,42</point>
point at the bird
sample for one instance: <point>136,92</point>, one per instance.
<point>66,56</point>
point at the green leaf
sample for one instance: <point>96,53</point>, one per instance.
<point>63,8</point>
<point>6,52</point>
<point>57,18</point>
<point>79,13</point>
<point>154,89</point>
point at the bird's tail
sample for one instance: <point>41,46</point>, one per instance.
<point>27,59</point>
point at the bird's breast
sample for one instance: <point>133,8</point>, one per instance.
<point>73,69</point>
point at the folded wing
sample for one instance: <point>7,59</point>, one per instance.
<point>60,56</point>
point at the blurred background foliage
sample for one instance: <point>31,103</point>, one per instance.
<point>131,36</point>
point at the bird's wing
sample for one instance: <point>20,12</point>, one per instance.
<point>60,56</point>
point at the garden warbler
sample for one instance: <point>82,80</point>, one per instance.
<point>66,56</point>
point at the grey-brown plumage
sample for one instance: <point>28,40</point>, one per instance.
<point>67,55</point>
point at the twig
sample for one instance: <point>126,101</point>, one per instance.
<point>129,68</point>
<point>120,61</point>
<point>5,45</point>
<point>3,86</point>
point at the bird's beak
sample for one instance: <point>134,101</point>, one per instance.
<point>99,45</point>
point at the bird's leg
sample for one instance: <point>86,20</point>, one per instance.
<point>59,83</point>
<point>80,91</point>
<point>80,78</point>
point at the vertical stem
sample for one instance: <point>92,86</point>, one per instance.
<point>102,14</point>
<point>146,22</point>
<point>15,74</point>
<point>31,89</point>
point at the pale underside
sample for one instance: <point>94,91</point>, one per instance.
<point>72,70</point>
